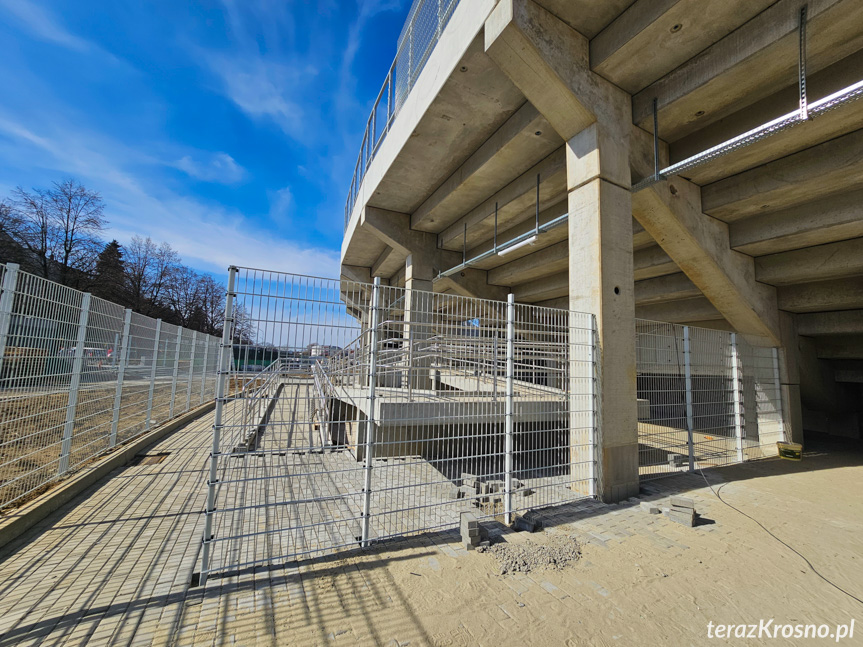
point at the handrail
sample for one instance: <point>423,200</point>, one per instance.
<point>426,21</point>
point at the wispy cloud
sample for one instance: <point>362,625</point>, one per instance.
<point>41,24</point>
<point>207,235</point>
<point>218,167</point>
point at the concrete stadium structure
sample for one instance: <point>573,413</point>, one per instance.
<point>536,118</point>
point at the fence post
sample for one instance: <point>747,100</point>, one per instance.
<point>191,371</point>
<point>690,423</point>
<point>225,352</point>
<point>176,371</point>
<point>121,372</point>
<point>370,418</point>
<point>7,301</point>
<point>594,408</point>
<point>509,405</point>
<point>74,385</point>
<point>153,375</point>
<point>778,384</point>
<point>204,370</point>
<point>737,389</point>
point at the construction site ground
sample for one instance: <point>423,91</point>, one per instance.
<point>114,568</point>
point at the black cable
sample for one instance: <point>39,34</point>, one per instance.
<point>791,548</point>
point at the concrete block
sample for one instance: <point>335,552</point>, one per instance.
<point>469,480</point>
<point>526,525</point>
<point>650,508</point>
<point>682,502</point>
<point>681,516</point>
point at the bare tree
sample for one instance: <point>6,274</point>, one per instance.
<point>60,227</point>
<point>183,293</point>
<point>212,295</point>
<point>149,269</point>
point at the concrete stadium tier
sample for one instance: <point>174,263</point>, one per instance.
<point>524,160</point>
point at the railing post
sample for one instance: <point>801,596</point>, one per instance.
<point>121,372</point>
<point>191,370</point>
<point>176,372</point>
<point>225,352</point>
<point>509,405</point>
<point>206,365</point>
<point>737,390</point>
<point>153,375</point>
<point>778,384</point>
<point>690,422</point>
<point>74,385</point>
<point>370,418</point>
<point>7,301</point>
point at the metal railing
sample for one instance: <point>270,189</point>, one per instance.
<point>706,398</point>
<point>425,23</point>
<point>397,410</point>
<point>80,375</point>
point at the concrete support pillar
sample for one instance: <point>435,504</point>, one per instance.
<point>418,319</point>
<point>789,373</point>
<point>601,282</point>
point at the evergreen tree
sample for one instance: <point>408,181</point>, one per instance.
<point>110,274</point>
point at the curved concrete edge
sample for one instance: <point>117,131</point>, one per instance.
<point>18,520</point>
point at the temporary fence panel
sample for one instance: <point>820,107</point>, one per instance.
<point>705,398</point>
<point>356,412</point>
<point>76,376</point>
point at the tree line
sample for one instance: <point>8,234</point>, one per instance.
<point>56,233</point>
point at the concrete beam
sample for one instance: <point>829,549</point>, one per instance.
<point>512,201</point>
<point>684,311</point>
<point>525,136</point>
<point>830,167</point>
<point>549,62</point>
<point>672,287</point>
<point>387,263</point>
<point>393,229</point>
<point>651,262</point>
<point>815,324</point>
<point>653,37</point>
<point>754,61</point>
<point>640,238</point>
<point>548,287</point>
<point>671,212</point>
<point>840,347</point>
<point>550,260</point>
<point>820,296</point>
<point>356,274</point>
<point>820,263</point>
<point>471,282</point>
<point>587,17</point>
<point>827,220</point>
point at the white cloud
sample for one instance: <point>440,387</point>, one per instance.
<point>219,167</point>
<point>208,236</point>
<point>41,24</point>
<point>281,204</point>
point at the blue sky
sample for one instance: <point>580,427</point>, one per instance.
<point>229,128</point>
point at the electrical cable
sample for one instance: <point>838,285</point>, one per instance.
<point>789,547</point>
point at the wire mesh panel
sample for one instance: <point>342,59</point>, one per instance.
<point>355,412</point>
<point>705,398</point>
<point>76,378</point>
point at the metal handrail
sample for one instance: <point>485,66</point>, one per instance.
<point>426,21</point>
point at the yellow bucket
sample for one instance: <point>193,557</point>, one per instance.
<point>790,451</point>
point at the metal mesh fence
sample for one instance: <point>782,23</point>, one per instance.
<point>426,20</point>
<point>705,398</point>
<point>362,412</point>
<point>79,375</point>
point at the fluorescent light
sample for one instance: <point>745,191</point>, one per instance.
<point>511,248</point>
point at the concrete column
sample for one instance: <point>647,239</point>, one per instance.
<point>417,317</point>
<point>789,373</point>
<point>601,282</point>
